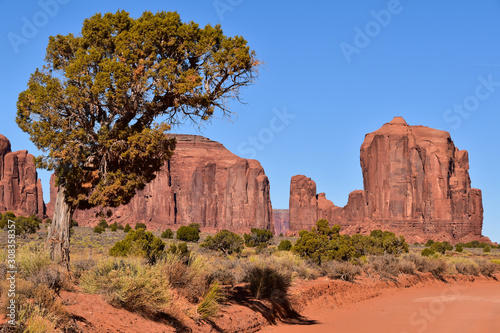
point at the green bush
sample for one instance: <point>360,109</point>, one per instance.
<point>103,224</point>
<point>429,243</point>
<point>257,237</point>
<point>26,225</point>
<point>285,245</point>
<point>427,252</point>
<point>487,248</point>
<point>113,227</point>
<point>180,249</point>
<point>120,227</point>
<point>140,226</point>
<point>459,248</point>
<point>140,243</point>
<point>225,241</point>
<point>127,228</point>
<point>168,234</point>
<point>99,229</point>
<point>188,234</point>
<point>195,226</point>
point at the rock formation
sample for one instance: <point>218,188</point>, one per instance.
<point>416,183</point>
<point>280,219</point>
<point>20,188</point>
<point>203,183</point>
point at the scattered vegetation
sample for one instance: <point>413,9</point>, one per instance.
<point>140,225</point>
<point>285,245</point>
<point>225,241</point>
<point>139,243</point>
<point>188,234</point>
<point>258,237</point>
<point>168,234</point>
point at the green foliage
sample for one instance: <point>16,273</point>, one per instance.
<point>429,242</point>
<point>323,243</point>
<point>103,224</point>
<point>180,249</point>
<point>195,226</point>
<point>140,226</point>
<point>487,248</point>
<point>257,237</point>
<point>459,248</point>
<point>74,223</point>
<point>127,228</point>
<point>100,106</point>
<point>168,234</point>
<point>225,241</point>
<point>427,252</point>
<point>285,245</point>
<point>474,244</point>
<point>139,243</point>
<point>113,227</point>
<point>24,225</point>
<point>99,229</point>
<point>188,234</point>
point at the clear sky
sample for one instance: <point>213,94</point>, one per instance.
<point>335,70</point>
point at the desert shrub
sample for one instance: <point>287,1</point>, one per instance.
<point>441,247</point>
<point>181,250</point>
<point>223,276</point>
<point>129,284</point>
<point>189,277</point>
<point>459,248</point>
<point>387,266</point>
<point>407,266</point>
<point>120,227</point>
<point>384,242</point>
<point>466,267</point>
<point>127,228</point>
<point>74,223</point>
<point>188,234</point>
<point>487,248</point>
<point>98,229</point>
<point>487,268</point>
<point>195,226</point>
<point>266,282</point>
<point>140,226</point>
<point>425,265</point>
<point>168,234</point>
<point>437,267</point>
<point>78,267</point>
<point>140,243</point>
<point>258,237</point>
<point>103,224</point>
<point>225,241</point>
<point>5,217</point>
<point>285,245</point>
<point>427,252</point>
<point>429,243</point>
<point>210,304</point>
<point>340,270</point>
<point>32,258</point>
<point>26,225</point>
<point>113,227</point>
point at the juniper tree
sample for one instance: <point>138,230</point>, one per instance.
<point>102,103</point>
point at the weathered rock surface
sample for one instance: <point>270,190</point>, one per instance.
<point>281,221</point>
<point>20,188</point>
<point>203,183</point>
<point>416,183</point>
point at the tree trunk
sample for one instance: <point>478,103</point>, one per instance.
<point>58,236</point>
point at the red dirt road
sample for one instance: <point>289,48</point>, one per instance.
<point>466,308</point>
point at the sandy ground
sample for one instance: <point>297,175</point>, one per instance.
<point>468,308</point>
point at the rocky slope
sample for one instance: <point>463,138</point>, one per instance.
<point>20,188</point>
<point>416,183</point>
<point>203,183</point>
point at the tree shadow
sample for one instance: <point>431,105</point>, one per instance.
<point>273,310</point>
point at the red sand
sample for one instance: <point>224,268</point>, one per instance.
<point>466,308</point>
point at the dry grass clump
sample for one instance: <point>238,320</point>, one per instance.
<point>466,267</point>
<point>268,282</point>
<point>438,267</point>
<point>340,270</point>
<point>487,268</point>
<point>387,266</point>
<point>291,265</point>
<point>129,284</point>
<point>210,304</point>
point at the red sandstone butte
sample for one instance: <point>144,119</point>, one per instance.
<point>20,188</point>
<point>280,219</point>
<point>416,183</point>
<point>202,183</point>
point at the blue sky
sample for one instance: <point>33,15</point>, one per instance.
<point>334,71</point>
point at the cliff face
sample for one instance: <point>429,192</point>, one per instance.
<point>416,183</point>
<point>20,188</point>
<point>281,221</point>
<point>203,183</point>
